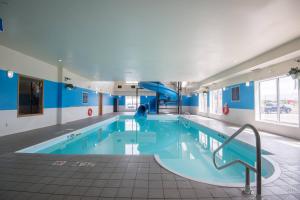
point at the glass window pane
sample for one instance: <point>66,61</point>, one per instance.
<point>30,96</point>
<point>216,101</point>
<point>203,102</point>
<point>288,96</point>
<point>219,103</point>
<point>268,100</point>
<point>131,101</point>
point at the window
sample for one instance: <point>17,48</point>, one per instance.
<point>131,102</point>
<point>278,100</point>
<point>215,102</point>
<point>30,96</point>
<point>203,102</point>
<point>235,94</point>
<point>85,97</point>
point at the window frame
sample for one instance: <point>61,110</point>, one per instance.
<point>18,97</point>
<point>258,102</point>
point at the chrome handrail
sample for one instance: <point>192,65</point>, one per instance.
<point>248,167</point>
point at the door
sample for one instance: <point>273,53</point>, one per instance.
<point>100,103</point>
<point>116,104</point>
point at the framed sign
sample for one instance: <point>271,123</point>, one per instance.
<point>1,25</point>
<point>85,97</point>
<point>235,94</point>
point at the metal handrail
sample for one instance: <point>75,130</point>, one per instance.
<point>248,167</point>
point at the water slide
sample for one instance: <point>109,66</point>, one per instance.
<point>165,93</point>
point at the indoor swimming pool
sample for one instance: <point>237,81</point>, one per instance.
<point>179,145</point>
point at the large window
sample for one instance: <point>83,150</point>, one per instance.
<point>278,100</point>
<point>30,96</point>
<point>131,102</point>
<point>215,102</point>
<point>203,102</point>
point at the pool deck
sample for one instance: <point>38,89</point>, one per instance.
<point>37,176</point>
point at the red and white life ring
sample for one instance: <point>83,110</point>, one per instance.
<point>90,112</point>
<point>225,109</point>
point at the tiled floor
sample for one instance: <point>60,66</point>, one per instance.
<point>35,176</point>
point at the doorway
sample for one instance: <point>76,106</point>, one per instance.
<point>100,104</point>
<point>116,104</point>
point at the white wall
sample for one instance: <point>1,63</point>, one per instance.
<point>76,113</point>
<point>26,65</point>
<point>10,123</point>
<point>107,109</point>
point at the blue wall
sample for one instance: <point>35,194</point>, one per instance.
<point>108,100</point>
<point>194,100</point>
<point>121,100</point>
<point>246,96</point>
<point>55,94</point>
<point>73,98</point>
<point>51,94</point>
<point>8,91</point>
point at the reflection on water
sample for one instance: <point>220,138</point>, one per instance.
<point>184,150</point>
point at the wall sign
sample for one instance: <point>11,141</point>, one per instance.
<point>1,25</point>
<point>85,97</point>
<point>235,94</point>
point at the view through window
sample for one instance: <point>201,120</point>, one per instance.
<point>203,102</point>
<point>131,102</point>
<point>215,102</point>
<point>30,96</point>
<point>278,100</point>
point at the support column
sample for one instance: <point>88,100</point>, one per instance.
<point>59,95</point>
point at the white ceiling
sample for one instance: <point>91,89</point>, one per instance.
<point>164,40</point>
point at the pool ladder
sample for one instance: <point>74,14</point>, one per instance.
<point>248,167</point>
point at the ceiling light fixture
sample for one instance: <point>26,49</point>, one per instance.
<point>60,60</point>
<point>10,74</point>
<point>132,82</point>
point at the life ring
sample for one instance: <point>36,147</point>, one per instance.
<point>90,112</point>
<point>225,109</point>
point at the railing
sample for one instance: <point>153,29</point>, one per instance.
<point>248,167</point>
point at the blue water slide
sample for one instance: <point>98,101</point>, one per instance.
<point>160,88</point>
<point>165,93</point>
<point>141,111</point>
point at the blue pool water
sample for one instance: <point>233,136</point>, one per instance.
<point>185,150</point>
